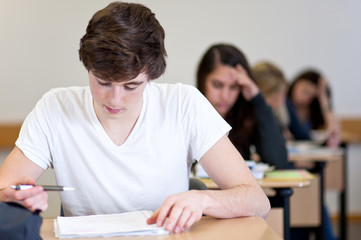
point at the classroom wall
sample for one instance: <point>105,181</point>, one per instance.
<point>40,39</point>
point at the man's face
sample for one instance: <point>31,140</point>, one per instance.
<point>117,99</point>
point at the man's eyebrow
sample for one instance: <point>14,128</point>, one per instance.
<point>134,83</point>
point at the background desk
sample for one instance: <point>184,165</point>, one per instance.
<point>283,192</point>
<point>321,157</point>
<point>265,184</point>
<point>250,228</point>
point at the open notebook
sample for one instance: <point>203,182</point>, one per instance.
<point>106,225</point>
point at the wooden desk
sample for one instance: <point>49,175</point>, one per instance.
<point>320,156</point>
<point>281,199</point>
<point>350,133</point>
<point>323,154</point>
<point>351,129</point>
<point>250,228</point>
<point>264,183</point>
<point>350,137</point>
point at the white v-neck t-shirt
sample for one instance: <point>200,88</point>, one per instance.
<point>176,126</point>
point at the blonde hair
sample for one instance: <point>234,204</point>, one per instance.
<point>269,78</point>
<point>270,81</point>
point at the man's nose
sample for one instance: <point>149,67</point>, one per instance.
<point>116,96</point>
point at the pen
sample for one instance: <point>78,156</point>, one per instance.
<point>46,187</point>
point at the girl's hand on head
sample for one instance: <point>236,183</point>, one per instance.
<point>334,138</point>
<point>322,86</point>
<point>249,88</point>
<point>322,94</point>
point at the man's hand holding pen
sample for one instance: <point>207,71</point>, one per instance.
<point>34,199</point>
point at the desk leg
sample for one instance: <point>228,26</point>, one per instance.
<point>343,218</point>
<point>319,168</point>
<point>283,196</point>
<point>343,198</point>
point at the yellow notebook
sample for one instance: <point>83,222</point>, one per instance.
<point>288,175</point>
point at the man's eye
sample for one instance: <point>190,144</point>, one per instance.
<point>129,88</point>
<point>104,83</point>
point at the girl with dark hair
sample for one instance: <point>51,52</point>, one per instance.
<point>311,99</point>
<point>225,78</point>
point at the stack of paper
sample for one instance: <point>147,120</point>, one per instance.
<point>105,225</point>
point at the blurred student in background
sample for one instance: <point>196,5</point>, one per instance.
<point>227,81</point>
<point>273,85</point>
<point>311,98</point>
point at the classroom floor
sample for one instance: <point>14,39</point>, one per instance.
<point>353,230</point>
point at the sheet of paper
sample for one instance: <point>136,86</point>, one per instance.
<point>130,223</point>
<point>310,148</point>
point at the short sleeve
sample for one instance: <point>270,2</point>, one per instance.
<point>202,124</point>
<point>37,132</point>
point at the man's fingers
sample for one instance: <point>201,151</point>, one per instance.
<point>193,218</point>
<point>153,219</point>
<point>183,219</point>
<point>32,199</point>
<point>164,212</point>
<point>173,217</point>
<point>37,202</point>
<point>28,193</point>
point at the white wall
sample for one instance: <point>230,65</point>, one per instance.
<point>40,39</point>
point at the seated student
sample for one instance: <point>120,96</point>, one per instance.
<point>126,143</point>
<point>273,86</point>
<point>311,98</point>
<point>226,80</point>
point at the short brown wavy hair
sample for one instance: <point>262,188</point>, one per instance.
<point>123,40</point>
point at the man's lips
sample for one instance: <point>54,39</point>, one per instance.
<point>111,110</point>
